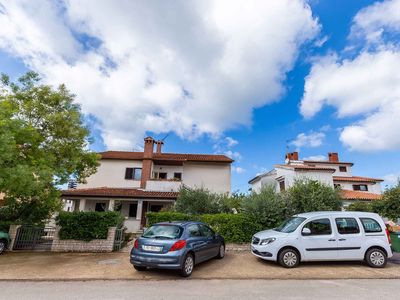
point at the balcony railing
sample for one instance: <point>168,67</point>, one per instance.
<point>163,185</point>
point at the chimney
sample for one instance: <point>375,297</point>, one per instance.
<point>292,156</point>
<point>148,147</point>
<point>159,146</point>
<point>147,161</point>
<point>333,157</point>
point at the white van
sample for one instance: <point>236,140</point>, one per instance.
<point>324,236</point>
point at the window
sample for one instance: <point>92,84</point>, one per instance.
<point>282,185</point>
<point>159,175</point>
<point>163,232</point>
<point>133,173</point>
<point>132,210</point>
<point>360,187</point>
<point>194,231</point>
<point>207,232</point>
<point>178,176</point>
<point>100,207</point>
<point>337,185</point>
<point>347,226</point>
<point>290,224</point>
<point>319,227</point>
<point>342,169</point>
<point>370,225</point>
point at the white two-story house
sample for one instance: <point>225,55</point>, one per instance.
<point>137,182</point>
<point>332,172</point>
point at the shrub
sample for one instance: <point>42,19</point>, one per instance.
<point>267,207</point>
<point>312,195</point>
<point>391,203</point>
<point>87,226</point>
<point>200,201</point>
<point>235,228</point>
<point>360,206</point>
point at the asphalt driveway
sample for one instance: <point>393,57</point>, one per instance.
<point>236,265</point>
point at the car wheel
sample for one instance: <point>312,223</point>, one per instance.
<point>289,258</point>
<point>187,266</point>
<point>376,258</point>
<point>2,246</point>
<point>140,268</point>
<point>221,252</point>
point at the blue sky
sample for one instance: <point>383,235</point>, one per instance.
<point>244,79</point>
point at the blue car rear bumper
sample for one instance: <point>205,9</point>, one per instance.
<point>160,261</point>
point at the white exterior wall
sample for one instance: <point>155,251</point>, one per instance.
<point>372,188</point>
<point>291,176</point>
<point>163,185</point>
<point>336,167</point>
<point>111,173</point>
<point>215,177</point>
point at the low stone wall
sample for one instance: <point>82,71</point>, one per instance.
<point>237,247</point>
<point>105,245</point>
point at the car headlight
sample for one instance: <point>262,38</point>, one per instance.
<point>267,241</point>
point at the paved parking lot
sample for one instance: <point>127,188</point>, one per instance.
<point>236,265</point>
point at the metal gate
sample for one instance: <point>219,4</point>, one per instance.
<point>34,238</point>
<point>119,239</point>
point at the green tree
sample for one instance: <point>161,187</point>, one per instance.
<point>266,207</point>
<point>312,195</point>
<point>391,203</point>
<point>43,143</point>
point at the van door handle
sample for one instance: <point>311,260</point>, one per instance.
<point>342,240</point>
<point>331,240</point>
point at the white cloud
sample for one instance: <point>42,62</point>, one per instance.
<point>312,139</point>
<point>392,179</point>
<point>189,67</point>
<point>366,87</point>
<point>315,157</point>
<point>231,141</point>
<point>233,154</point>
<point>371,22</point>
<point>238,170</point>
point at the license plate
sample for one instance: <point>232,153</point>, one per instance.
<point>152,248</point>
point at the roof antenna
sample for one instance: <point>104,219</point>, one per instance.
<point>165,137</point>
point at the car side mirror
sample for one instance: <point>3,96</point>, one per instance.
<point>306,231</point>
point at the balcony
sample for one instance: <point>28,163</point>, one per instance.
<point>163,185</point>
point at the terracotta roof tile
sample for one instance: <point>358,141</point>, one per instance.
<point>118,192</point>
<point>327,162</point>
<point>306,168</point>
<point>356,179</point>
<point>359,195</point>
<point>166,156</point>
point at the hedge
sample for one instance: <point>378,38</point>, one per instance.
<point>87,226</point>
<point>235,228</point>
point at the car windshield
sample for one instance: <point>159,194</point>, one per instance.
<point>290,225</point>
<point>164,231</point>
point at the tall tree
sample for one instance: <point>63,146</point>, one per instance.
<point>43,143</point>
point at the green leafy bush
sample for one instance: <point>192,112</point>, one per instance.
<point>235,228</point>
<point>391,203</point>
<point>311,195</point>
<point>201,201</point>
<point>267,207</point>
<point>87,226</point>
<point>360,206</point>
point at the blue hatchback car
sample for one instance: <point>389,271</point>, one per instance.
<point>176,245</point>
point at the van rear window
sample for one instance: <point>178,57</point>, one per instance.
<point>370,225</point>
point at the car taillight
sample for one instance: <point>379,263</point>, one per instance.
<point>178,245</point>
<point>388,236</point>
<point>136,244</point>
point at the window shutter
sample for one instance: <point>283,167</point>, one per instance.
<point>128,173</point>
